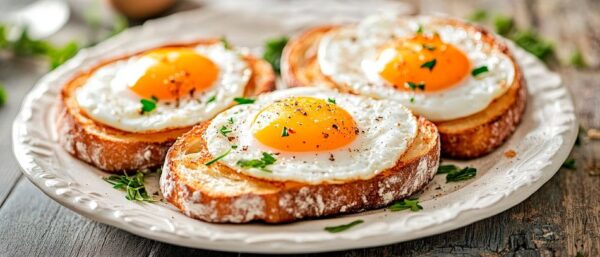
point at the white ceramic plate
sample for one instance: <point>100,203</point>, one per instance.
<point>542,142</point>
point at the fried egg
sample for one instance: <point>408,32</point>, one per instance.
<point>311,135</point>
<point>185,85</point>
<point>434,67</point>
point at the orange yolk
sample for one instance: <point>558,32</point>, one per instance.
<point>177,72</point>
<point>423,60</point>
<point>305,124</point>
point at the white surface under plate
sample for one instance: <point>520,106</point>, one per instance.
<point>542,142</point>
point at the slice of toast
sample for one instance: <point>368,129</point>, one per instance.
<point>220,194</point>
<point>115,150</point>
<point>464,138</point>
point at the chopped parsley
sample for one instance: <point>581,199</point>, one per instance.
<point>504,25</point>
<point>429,65</point>
<point>148,105</point>
<point>225,43</point>
<point>331,100</point>
<point>241,100</point>
<point>211,99</point>
<point>284,132</point>
<point>412,204</point>
<point>577,60</point>
<point>479,70</point>
<point>262,163</point>
<point>420,29</point>
<point>478,16</point>
<point>216,159</point>
<point>533,44</point>
<point>133,186</point>
<point>569,164</point>
<point>3,95</point>
<point>429,47</point>
<point>273,51</point>
<point>412,99</point>
<point>444,169</point>
<point>224,130</point>
<point>230,120</point>
<point>340,228</point>
<point>465,173</point>
<point>414,86</point>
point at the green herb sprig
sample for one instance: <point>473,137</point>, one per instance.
<point>273,51</point>
<point>569,164</point>
<point>3,95</point>
<point>148,105</point>
<point>429,65</point>
<point>262,163</point>
<point>455,174</point>
<point>132,185</point>
<point>216,159</point>
<point>344,227</point>
<point>242,100</point>
<point>406,204</point>
<point>479,70</point>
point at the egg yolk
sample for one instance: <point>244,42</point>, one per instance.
<point>425,61</point>
<point>177,72</point>
<point>305,124</point>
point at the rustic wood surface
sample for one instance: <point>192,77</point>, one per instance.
<point>561,219</point>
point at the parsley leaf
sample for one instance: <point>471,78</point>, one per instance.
<point>420,29</point>
<point>478,16</point>
<point>216,159</point>
<point>479,70</point>
<point>533,44</point>
<point>284,132</point>
<point>331,100</point>
<point>3,95</point>
<point>224,130</point>
<point>211,99</point>
<point>415,86</point>
<point>577,60</point>
<point>266,160</point>
<point>569,164</point>
<point>460,175</point>
<point>148,105</point>
<point>340,228</point>
<point>444,169</point>
<point>273,51</point>
<point>241,100</point>
<point>230,120</point>
<point>412,204</point>
<point>225,43</point>
<point>58,56</point>
<point>429,65</point>
<point>504,25</point>
<point>133,186</point>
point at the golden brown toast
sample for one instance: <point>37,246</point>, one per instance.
<point>220,194</point>
<point>115,150</point>
<point>468,137</point>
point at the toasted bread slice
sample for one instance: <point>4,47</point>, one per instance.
<point>115,150</point>
<point>467,137</point>
<point>219,194</point>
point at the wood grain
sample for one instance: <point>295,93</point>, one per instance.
<point>561,219</point>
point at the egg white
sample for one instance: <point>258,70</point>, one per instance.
<point>386,131</point>
<point>348,56</point>
<point>106,97</point>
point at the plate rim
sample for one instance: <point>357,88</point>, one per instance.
<point>501,205</point>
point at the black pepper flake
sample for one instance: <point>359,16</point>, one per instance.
<point>325,135</point>
<point>331,157</point>
<point>334,126</point>
<point>245,148</point>
<point>230,138</point>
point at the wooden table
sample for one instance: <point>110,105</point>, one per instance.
<point>561,219</point>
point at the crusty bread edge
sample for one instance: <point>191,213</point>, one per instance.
<point>466,144</point>
<point>300,201</point>
<point>78,134</point>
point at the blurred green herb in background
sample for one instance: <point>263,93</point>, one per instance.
<point>3,95</point>
<point>577,60</point>
<point>273,50</point>
<point>527,39</point>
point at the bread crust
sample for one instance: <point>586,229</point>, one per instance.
<point>464,138</point>
<point>115,150</point>
<point>222,195</point>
